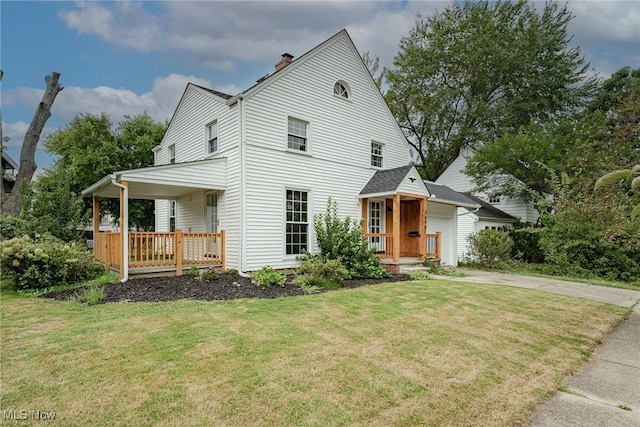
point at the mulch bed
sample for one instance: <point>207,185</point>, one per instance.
<point>227,287</point>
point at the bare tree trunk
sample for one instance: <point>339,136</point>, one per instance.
<point>11,204</point>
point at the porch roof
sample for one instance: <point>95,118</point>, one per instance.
<point>443,194</point>
<point>387,182</point>
<point>164,181</point>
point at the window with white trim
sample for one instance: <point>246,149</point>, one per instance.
<point>494,199</point>
<point>340,89</point>
<point>172,215</point>
<point>376,154</point>
<point>171,153</point>
<point>212,137</point>
<point>297,134</point>
<point>297,222</point>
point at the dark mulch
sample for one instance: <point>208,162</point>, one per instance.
<point>228,286</point>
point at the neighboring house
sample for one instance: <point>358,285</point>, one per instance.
<point>238,179</point>
<point>495,212</point>
<point>9,172</point>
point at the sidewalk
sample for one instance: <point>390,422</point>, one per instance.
<point>607,390</point>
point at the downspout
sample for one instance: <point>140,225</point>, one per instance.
<point>243,187</point>
<point>124,228</point>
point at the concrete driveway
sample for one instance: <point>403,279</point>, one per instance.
<point>607,390</point>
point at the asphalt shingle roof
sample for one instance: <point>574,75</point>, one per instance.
<point>215,92</point>
<point>488,211</point>
<point>386,181</point>
<point>443,192</point>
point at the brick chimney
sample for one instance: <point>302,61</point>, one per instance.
<point>286,60</point>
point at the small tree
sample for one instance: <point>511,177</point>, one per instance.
<point>490,246</point>
<point>342,239</point>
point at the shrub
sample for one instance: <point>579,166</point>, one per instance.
<point>193,271</point>
<point>490,246</point>
<point>267,276</point>
<point>209,275</point>
<point>30,264</point>
<point>14,226</point>
<point>526,242</point>
<point>231,271</point>
<point>316,271</point>
<point>342,239</point>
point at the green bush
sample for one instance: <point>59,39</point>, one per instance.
<point>231,271</point>
<point>31,264</point>
<point>490,246</point>
<point>316,271</point>
<point>526,243</point>
<point>209,275</point>
<point>193,271</point>
<point>267,276</point>
<point>342,239</point>
<point>14,226</point>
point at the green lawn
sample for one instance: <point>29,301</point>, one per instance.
<point>412,353</point>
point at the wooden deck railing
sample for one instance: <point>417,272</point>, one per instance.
<point>434,245</point>
<point>382,243</point>
<point>158,249</point>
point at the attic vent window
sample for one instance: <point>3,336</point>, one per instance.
<point>340,89</point>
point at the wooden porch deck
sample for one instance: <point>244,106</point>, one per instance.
<point>160,252</point>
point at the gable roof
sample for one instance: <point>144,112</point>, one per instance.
<point>444,194</point>
<point>215,92</point>
<point>8,162</point>
<point>488,211</point>
<point>386,181</point>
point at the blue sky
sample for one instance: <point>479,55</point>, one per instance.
<point>135,57</point>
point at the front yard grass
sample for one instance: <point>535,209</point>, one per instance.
<point>410,353</point>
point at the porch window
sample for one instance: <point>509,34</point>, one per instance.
<point>297,226</point>
<point>212,137</point>
<point>172,215</point>
<point>171,153</point>
<point>376,154</point>
<point>376,222</point>
<point>297,135</point>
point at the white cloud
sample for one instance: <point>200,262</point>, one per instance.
<point>159,102</point>
<point>15,132</point>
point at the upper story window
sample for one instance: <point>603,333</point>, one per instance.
<point>376,154</point>
<point>297,135</point>
<point>340,89</point>
<point>171,153</point>
<point>494,199</point>
<point>212,137</point>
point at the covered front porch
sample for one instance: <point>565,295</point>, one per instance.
<point>396,228</point>
<point>167,252</point>
<point>394,210</point>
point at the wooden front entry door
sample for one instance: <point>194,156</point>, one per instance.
<point>410,228</point>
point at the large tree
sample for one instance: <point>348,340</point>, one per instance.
<point>467,74</point>
<point>11,204</point>
<point>89,148</point>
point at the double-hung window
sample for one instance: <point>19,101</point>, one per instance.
<point>212,137</point>
<point>171,153</point>
<point>297,134</point>
<point>376,154</point>
<point>297,222</point>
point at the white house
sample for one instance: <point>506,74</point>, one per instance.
<point>493,212</point>
<point>238,179</point>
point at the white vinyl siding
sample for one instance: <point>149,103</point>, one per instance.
<point>340,136</point>
<point>442,218</point>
